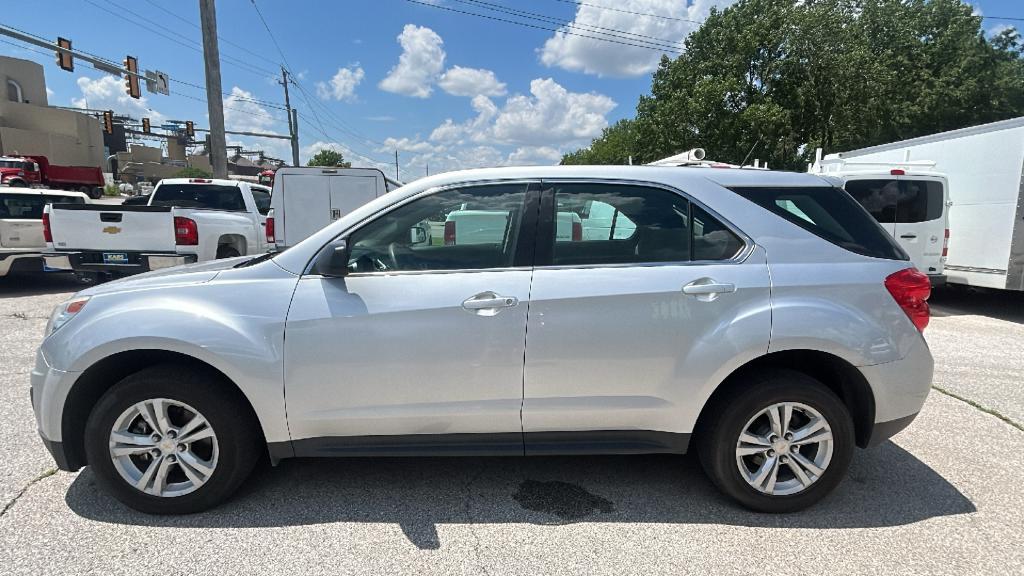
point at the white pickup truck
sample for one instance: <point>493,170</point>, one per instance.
<point>21,226</point>
<point>186,220</point>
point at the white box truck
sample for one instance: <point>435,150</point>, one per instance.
<point>304,200</point>
<point>985,169</point>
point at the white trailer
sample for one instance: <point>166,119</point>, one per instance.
<point>985,168</point>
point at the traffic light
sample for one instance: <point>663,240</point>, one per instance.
<point>131,84</point>
<point>190,129</point>
<point>108,121</point>
<point>64,59</point>
<point>145,125</point>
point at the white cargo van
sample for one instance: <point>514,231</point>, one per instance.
<point>304,200</point>
<point>985,167</point>
<point>909,199</point>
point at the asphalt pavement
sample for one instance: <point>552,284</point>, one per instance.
<point>944,497</point>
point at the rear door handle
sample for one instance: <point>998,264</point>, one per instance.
<point>707,289</point>
<point>488,303</point>
<point>908,236</point>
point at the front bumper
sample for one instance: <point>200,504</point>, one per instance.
<point>27,261</point>
<point>48,392</point>
<point>134,262</point>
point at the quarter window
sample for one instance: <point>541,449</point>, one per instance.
<point>262,200</point>
<point>469,228</point>
<point>622,224</point>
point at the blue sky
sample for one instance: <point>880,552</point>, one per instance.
<point>446,89</point>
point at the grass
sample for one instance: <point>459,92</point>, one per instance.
<point>984,409</point>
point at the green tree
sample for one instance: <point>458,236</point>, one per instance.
<point>775,79</point>
<point>327,157</point>
<point>192,172</point>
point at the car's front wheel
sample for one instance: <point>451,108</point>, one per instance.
<point>780,444</point>
<point>170,440</point>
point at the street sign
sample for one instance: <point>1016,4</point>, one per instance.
<point>158,82</point>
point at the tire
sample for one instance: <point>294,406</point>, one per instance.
<point>233,450</point>
<point>17,183</point>
<point>226,251</point>
<point>718,442</point>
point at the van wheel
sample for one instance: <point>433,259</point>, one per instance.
<point>781,444</point>
<point>226,251</point>
<point>170,440</point>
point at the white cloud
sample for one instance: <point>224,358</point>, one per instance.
<point>358,161</point>
<point>461,81</point>
<point>408,145</point>
<point>419,65</point>
<point>534,156</point>
<point>244,115</point>
<point>550,116</point>
<point>343,85</point>
<point>999,29</point>
<point>108,93</point>
<point>651,36</point>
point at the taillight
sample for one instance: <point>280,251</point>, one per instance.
<point>449,233</point>
<point>911,290</point>
<point>270,231</point>
<point>577,231</point>
<point>186,233</point>
<point>945,244</point>
<point>47,234</point>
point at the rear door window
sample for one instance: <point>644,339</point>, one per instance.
<point>829,213</point>
<point>262,199</point>
<point>30,206</point>
<point>899,201</point>
<point>208,196</point>
<point>919,201</point>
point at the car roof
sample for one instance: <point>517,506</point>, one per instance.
<point>667,174</point>
<point>220,181</point>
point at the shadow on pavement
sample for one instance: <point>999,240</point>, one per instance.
<point>37,284</point>
<point>886,486</point>
<point>959,301</point>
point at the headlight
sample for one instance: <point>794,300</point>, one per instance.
<point>64,313</point>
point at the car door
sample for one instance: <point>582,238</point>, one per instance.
<point>920,225</point>
<point>633,321</point>
<point>420,347</point>
<point>261,197</point>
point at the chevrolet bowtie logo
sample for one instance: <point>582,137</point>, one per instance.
<point>112,230</point>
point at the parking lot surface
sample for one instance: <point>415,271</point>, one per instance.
<point>943,497</point>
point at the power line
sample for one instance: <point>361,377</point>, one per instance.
<point>647,14</point>
<point>590,28</point>
<point>527,25</point>
<point>197,26</point>
<point>240,64</point>
<point>1004,18</point>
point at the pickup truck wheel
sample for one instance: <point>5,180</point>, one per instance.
<point>226,251</point>
<point>781,444</point>
<point>170,440</point>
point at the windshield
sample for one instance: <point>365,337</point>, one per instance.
<point>209,196</point>
<point>16,164</point>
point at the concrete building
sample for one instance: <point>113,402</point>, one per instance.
<point>29,126</point>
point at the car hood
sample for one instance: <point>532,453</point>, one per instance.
<point>176,276</point>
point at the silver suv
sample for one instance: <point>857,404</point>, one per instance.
<point>763,318</point>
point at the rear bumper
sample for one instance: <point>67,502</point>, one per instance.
<point>134,262</point>
<point>27,261</point>
<point>900,389</point>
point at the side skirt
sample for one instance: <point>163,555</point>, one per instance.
<point>498,444</point>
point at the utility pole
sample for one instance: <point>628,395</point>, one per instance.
<point>215,103</point>
<point>293,119</point>
<point>396,165</point>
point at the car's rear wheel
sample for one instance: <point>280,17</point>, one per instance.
<point>780,444</point>
<point>171,440</point>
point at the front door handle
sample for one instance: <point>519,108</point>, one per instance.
<point>707,289</point>
<point>488,303</point>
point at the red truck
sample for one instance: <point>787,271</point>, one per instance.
<point>32,171</point>
<point>266,178</point>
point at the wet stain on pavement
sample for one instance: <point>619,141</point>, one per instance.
<point>562,499</point>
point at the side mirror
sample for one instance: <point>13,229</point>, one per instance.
<point>418,235</point>
<point>333,260</point>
